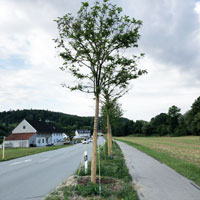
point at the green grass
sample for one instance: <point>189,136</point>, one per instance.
<point>12,153</point>
<point>116,182</point>
<point>187,169</point>
<point>113,166</point>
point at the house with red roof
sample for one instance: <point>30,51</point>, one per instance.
<point>34,133</point>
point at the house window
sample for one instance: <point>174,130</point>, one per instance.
<point>24,127</point>
<point>39,141</point>
<point>42,140</point>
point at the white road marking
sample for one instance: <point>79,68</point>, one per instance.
<point>43,160</point>
<point>24,161</point>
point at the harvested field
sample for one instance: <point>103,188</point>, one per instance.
<point>186,148</point>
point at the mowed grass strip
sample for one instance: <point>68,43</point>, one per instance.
<point>173,157</point>
<point>12,153</point>
<point>116,182</point>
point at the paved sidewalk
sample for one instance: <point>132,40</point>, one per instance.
<point>156,181</point>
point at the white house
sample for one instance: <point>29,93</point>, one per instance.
<point>82,133</point>
<point>34,133</point>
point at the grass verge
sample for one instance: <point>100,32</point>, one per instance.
<point>183,167</point>
<point>12,153</point>
<point>116,182</point>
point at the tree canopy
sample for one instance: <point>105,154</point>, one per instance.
<point>90,42</point>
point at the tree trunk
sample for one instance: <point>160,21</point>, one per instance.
<point>94,144</point>
<point>109,136</point>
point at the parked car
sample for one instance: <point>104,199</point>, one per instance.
<point>85,141</point>
<point>48,145</point>
<point>66,142</point>
<point>32,145</point>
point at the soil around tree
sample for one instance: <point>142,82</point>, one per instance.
<point>114,185</point>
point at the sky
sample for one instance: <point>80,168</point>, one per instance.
<point>29,63</point>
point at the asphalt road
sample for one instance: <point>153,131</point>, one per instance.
<point>155,180</point>
<point>33,177</point>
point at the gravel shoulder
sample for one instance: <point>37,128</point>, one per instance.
<point>154,180</point>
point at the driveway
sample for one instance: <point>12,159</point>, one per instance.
<point>156,181</point>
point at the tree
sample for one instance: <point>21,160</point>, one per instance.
<point>117,87</point>
<point>138,126</point>
<point>174,114</point>
<point>196,106</point>
<point>160,124</point>
<point>147,129</point>
<point>196,124</point>
<point>111,113</point>
<point>182,128</point>
<point>90,45</point>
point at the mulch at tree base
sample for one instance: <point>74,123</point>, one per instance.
<point>83,180</point>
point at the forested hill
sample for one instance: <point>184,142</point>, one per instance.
<point>172,123</point>
<point>9,119</point>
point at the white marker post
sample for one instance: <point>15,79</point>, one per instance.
<point>3,146</point>
<point>86,161</point>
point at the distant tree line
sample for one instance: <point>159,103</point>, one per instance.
<point>172,123</point>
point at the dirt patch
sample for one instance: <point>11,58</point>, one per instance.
<point>112,184</point>
<point>70,181</point>
<point>83,180</point>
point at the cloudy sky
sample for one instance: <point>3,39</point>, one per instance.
<point>29,64</point>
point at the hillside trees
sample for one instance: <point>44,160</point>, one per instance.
<point>10,119</point>
<point>90,45</point>
<point>160,124</point>
<point>174,114</point>
<point>192,118</point>
<point>174,123</point>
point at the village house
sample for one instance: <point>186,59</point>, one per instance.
<point>82,133</point>
<point>34,133</point>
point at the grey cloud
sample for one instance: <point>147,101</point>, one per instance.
<point>170,31</point>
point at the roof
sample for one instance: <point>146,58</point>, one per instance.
<point>44,127</point>
<point>19,136</point>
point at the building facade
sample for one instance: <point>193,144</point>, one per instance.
<point>82,133</point>
<point>34,133</point>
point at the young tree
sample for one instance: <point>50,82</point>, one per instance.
<point>111,112</point>
<point>90,45</point>
<point>116,89</point>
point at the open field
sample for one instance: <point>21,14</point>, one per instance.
<point>180,153</point>
<point>11,153</point>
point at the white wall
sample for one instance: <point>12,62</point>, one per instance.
<point>24,127</point>
<point>41,141</point>
<point>17,143</point>
<point>80,135</point>
<point>32,140</point>
<point>57,137</point>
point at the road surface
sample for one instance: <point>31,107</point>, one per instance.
<point>33,177</point>
<point>155,180</point>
